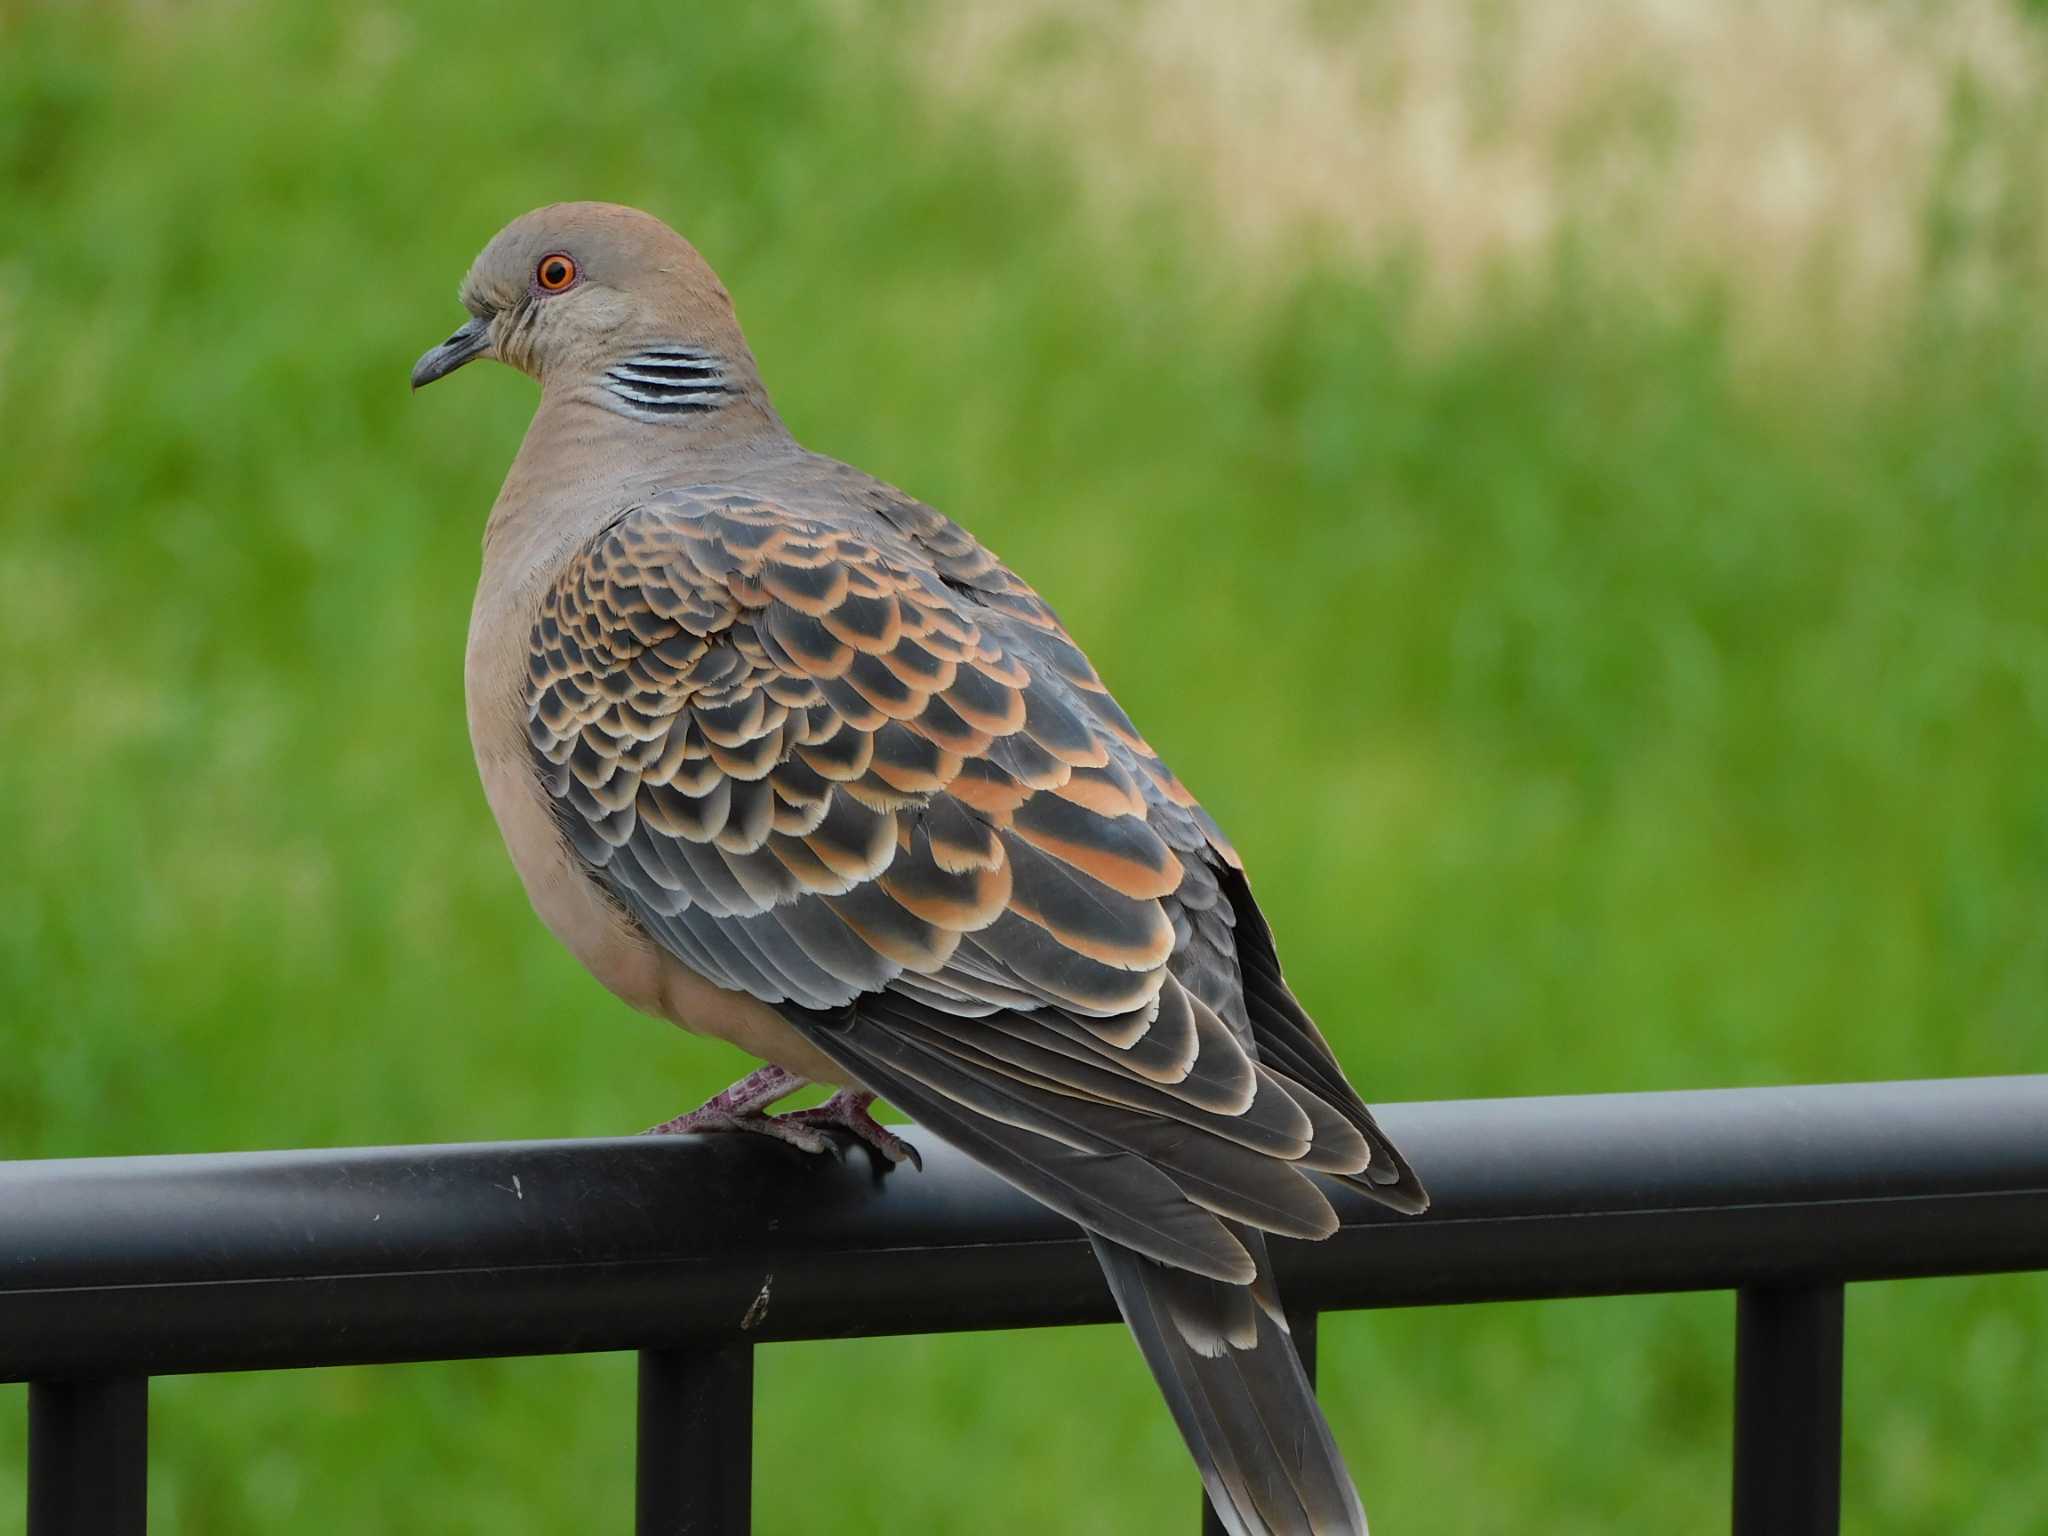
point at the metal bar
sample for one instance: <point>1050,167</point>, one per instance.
<point>1303,1326</point>
<point>1788,1411</point>
<point>285,1259</point>
<point>88,1457</point>
<point>696,1442</point>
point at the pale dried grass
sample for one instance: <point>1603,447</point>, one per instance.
<point>1823,161</point>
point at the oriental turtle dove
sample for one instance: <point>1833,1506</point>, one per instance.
<point>789,758</point>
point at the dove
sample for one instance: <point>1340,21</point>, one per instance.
<point>790,759</point>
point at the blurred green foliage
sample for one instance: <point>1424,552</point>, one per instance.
<point>1594,713</point>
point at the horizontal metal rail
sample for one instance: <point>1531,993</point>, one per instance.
<point>143,1266</point>
<point>691,1251</point>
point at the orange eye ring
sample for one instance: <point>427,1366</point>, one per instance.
<point>554,272</point>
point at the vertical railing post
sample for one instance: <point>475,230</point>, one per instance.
<point>696,1442</point>
<point>1303,1326</point>
<point>1788,1411</point>
<point>88,1457</point>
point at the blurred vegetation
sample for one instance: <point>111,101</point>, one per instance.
<point>1602,700</point>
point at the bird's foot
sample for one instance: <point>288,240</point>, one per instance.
<point>805,1138</point>
<point>847,1110</point>
<point>741,1108</point>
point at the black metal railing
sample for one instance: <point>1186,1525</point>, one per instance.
<point>113,1270</point>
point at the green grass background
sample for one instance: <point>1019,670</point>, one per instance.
<point>1594,714</point>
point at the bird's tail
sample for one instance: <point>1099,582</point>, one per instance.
<point>1237,1390</point>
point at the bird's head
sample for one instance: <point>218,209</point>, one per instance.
<point>607,304</point>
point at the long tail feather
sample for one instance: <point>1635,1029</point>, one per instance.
<point>1229,1373</point>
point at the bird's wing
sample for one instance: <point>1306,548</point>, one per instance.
<point>874,784</point>
<point>853,766</point>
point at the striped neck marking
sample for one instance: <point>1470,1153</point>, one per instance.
<point>663,383</point>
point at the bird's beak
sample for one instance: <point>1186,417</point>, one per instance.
<point>466,345</point>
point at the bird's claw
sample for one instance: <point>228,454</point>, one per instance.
<point>708,1121</point>
<point>814,1131</point>
<point>847,1112</point>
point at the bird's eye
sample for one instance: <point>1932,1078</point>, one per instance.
<point>554,273</point>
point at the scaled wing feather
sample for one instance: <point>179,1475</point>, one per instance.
<point>828,751</point>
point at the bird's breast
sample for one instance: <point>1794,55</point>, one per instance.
<point>611,946</point>
<point>566,899</point>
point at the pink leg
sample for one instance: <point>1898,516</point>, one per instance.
<point>847,1110</point>
<point>739,1108</point>
<point>742,1107</point>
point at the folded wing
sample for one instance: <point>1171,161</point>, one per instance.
<point>846,762</point>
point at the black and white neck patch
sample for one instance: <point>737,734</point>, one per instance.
<point>663,383</point>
